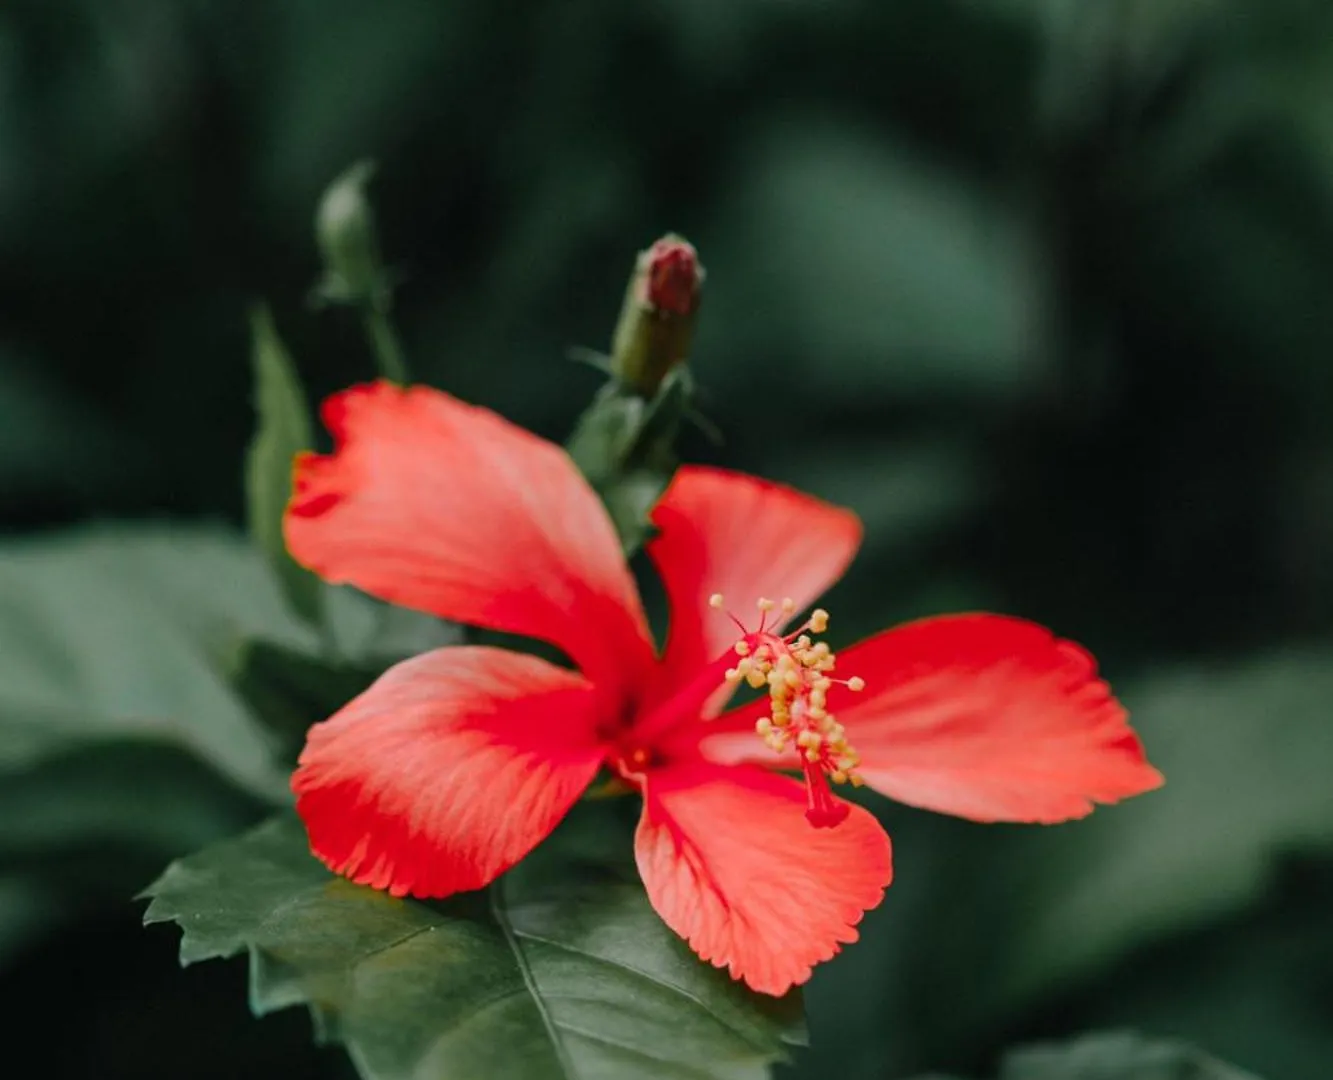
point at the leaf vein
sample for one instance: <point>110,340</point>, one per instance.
<point>652,980</point>
<point>520,957</point>
<point>683,1070</point>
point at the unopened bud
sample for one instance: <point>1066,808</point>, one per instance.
<point>348,240</point>
<point>657,321</point>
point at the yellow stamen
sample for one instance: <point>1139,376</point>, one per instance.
<point>795,673</point>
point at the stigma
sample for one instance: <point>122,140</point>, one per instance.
<point>798,673</point>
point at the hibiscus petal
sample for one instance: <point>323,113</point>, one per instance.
<point>732,866</point>
<point>448,770</point>
<point>729,533</point>
<point>989,718</point>
<point>447,508</point>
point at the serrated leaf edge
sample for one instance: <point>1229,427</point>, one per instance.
<point>326,1018</point>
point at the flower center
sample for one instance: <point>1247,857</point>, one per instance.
<point>629,764</point>
<point>798,673</point>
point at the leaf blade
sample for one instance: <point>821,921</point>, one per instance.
<point>1116,1055</point>
<point>284,431</point>
<point>548,974</point>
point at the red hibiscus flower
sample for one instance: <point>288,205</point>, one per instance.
<point>456,763</point>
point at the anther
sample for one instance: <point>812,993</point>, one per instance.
<point>716,601</point>
<point>796,672</point>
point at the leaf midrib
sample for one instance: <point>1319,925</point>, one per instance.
<point>567,1038</point>
<point>649,979</point>
<point>500,913</point>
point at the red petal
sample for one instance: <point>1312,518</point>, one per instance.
<point>447,508</point>
<point>729,533</point>
<point>989,718</point>
<point>732,866</point>
<point>448,770</point>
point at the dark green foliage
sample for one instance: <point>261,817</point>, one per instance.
<point>1039,287</point>
<point>287,690</point>
<point>1114,1056</point>
<point>283,430</point>
<point>626,446</point>
<point>558,970</point>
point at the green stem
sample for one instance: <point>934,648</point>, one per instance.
<point>384,344</point>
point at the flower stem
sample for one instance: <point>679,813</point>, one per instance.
<point>385,345</point>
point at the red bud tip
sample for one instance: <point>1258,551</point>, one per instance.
<point>673,276</point>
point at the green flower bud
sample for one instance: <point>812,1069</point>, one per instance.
<point>347,238</point>
<point>656,324</point>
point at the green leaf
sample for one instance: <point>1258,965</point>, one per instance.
<point>124,741</point>
<point>284,431</point>
<point>118,647</point>
<point>1252,988</point>
<point>127,792</point>
<point>1245,751</point>
<point>1116,1056</point>
<point>119,729</point>
<point>112,633</point>
<point>288,690</point>
<point>1112,1056</point>
<point>561,969</point>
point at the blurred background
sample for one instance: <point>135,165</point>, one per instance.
<point>1040,287</point>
